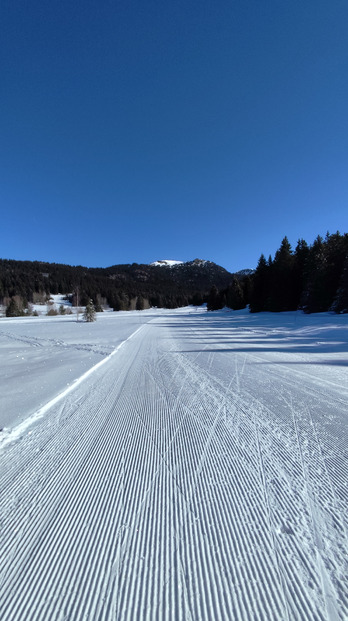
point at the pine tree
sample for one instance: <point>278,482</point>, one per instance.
<point>13,309</point>
<point>282,279</point>
<point>197,299</point>
<point>235,296</point>
<point>336,254</point>
<point>140,303</point>
<point>300,263</point>
<point>259,297</point>
<point>340,304</point>
<point>315,296</point>
<point>214,301</point>
<point>90,313</point>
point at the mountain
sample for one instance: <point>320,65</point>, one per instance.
<point>199,275</point>
<point>242,273</point>
<point>165,263</point>
<point>165,283</point>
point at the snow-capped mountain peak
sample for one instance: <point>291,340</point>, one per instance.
<point>166,263</point>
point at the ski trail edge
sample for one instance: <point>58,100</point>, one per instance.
<point>15,433</point>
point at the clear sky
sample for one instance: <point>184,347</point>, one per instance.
<point>136,130</point>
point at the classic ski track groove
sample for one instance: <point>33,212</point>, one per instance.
<point>159,491</point>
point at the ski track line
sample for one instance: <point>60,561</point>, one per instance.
<point>154,491</point>
<point>283,366</point>
<point>43,342</point>
<point>18,431</point>
<point>330,443</point>
<point>335,505</point>
<point>317,539</point>
<point>91,488</point>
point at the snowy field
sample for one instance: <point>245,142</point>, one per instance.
<point>174,465</point>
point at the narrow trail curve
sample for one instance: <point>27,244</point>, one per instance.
<point>153,492</point>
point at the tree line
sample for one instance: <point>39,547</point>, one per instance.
<point>313,278</point>
<point>122,287</point>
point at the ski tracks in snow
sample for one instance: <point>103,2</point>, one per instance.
<point>164,488</point>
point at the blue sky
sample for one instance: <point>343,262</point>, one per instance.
<point>136,130</point>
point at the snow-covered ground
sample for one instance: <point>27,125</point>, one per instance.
<point>174,465</point>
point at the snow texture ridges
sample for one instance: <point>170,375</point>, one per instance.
<point>195,475</point>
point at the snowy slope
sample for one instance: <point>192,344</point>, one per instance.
<point>166,263</point>
<point>199,473</point>
<point>42,356</point>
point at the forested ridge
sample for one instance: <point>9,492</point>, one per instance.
<point>313,278</point>
<point>123,287</point>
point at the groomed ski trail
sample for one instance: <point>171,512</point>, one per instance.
<point>162,487</point>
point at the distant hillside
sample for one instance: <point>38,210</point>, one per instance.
<point>166,284</point>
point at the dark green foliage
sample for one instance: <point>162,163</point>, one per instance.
<point>197,299</point>
<point>235,295</point>
<point>140,303</point>
<point>90,313</point>
<point>215,299</point>
<point>340,304</point>
<point>313,278</point>
<point>119,286</point>
<point>282,285</point>
<point>315,296</point>
<point>14,309</point>
<point>120,302</point>
<point>260,295</point>
<point>299,280</point>
<point>324,271</point>
<point>336,256</point>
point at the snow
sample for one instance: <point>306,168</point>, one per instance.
<point>171,263</point>
<point>166,263</point>
<point>41,356</point>
<point>174,465</point>
<point>55,302</point>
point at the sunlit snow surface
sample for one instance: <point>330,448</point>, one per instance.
<point>166,263</point>
<point>174,465</point>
